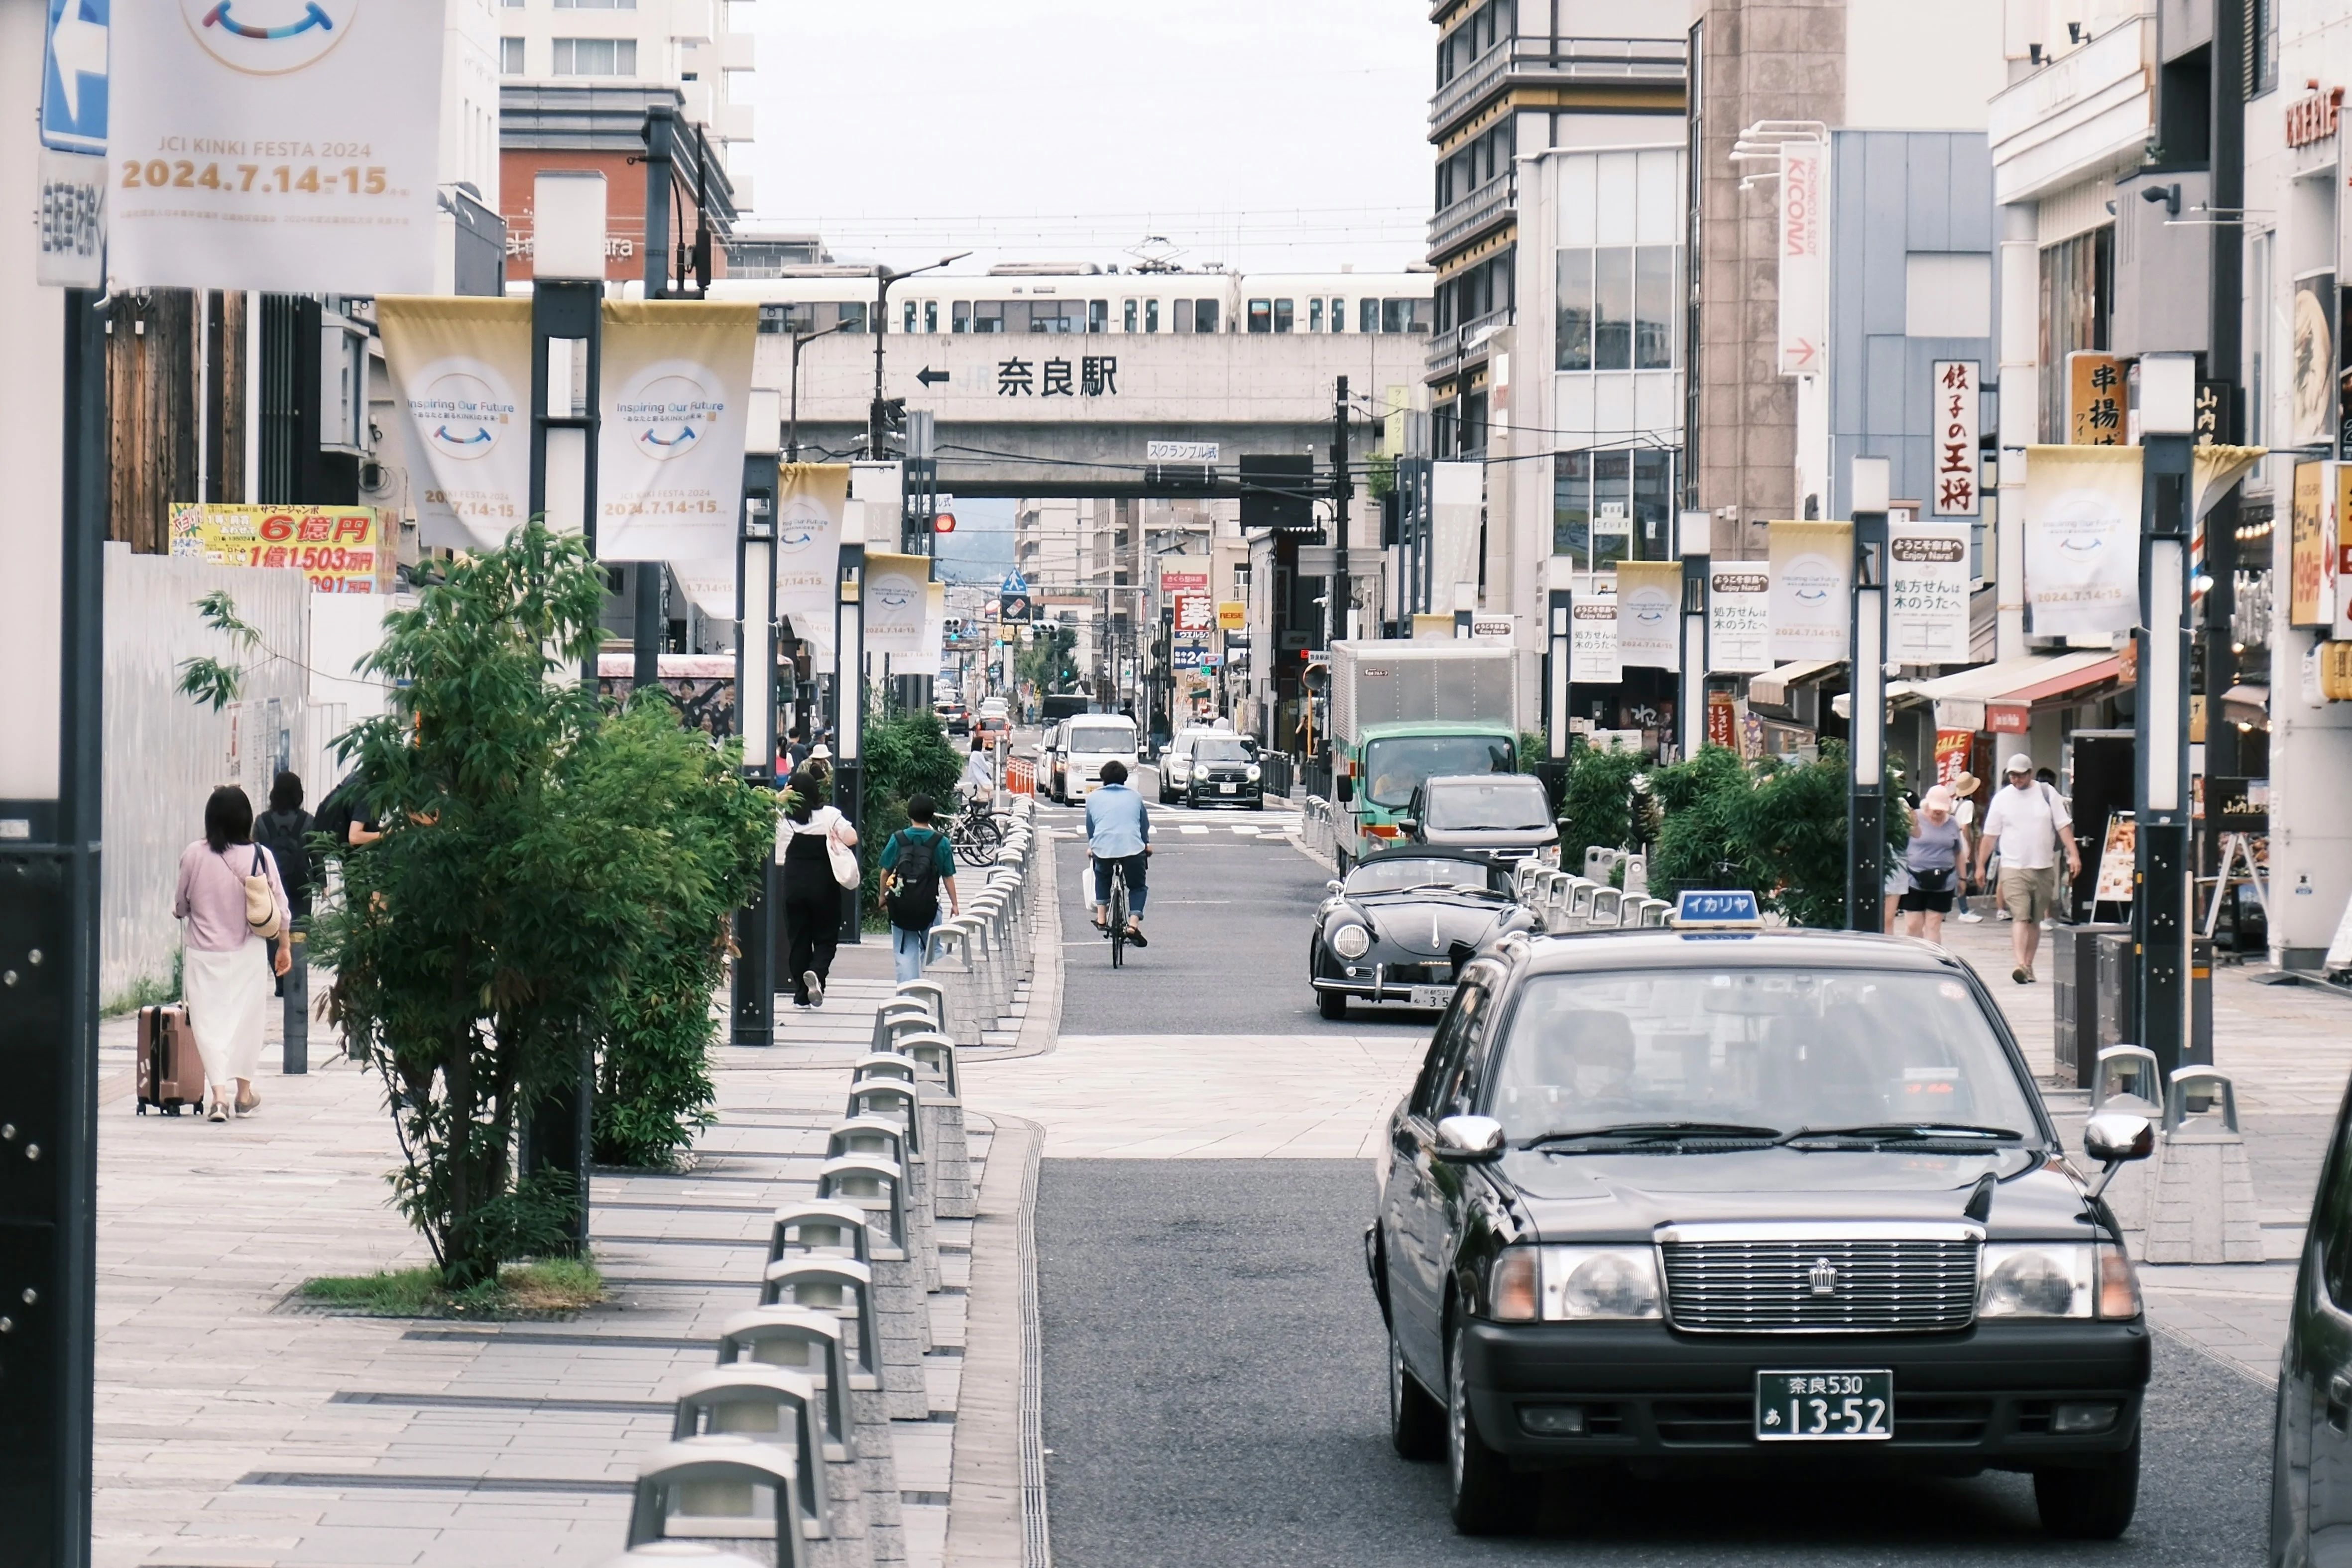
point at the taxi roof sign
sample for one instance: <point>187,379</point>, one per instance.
<point>1731,908</point>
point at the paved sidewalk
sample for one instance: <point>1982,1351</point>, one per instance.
<point>237,1428</point>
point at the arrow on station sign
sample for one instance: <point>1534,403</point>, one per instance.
<point>926,375</point>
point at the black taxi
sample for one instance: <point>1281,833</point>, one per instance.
<point>1677,1199</point>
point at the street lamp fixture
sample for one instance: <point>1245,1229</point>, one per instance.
<point>1694,540</point>
<point>800,342</point>
<point>883,277</point>
<point>2167,412</point>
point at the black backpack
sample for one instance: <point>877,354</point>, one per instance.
<point>914,900</point>
<point>287,836</point>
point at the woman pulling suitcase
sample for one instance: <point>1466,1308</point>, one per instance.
<point>233,902</point>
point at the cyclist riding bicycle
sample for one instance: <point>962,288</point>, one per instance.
<point>1119,832</point>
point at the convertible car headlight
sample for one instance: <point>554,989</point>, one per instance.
<point>1600,1282</point>
<point>2038,1280</point>
<point>1351,941</point>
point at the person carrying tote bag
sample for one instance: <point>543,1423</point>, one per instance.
<point>815,845</point>
<point>233,901</point>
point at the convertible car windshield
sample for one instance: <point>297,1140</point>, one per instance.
<point>1775,1049</point>
<point>1392,875</point>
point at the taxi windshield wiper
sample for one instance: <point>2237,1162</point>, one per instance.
<point>1657,1131</point>
<point>1905,1132</point>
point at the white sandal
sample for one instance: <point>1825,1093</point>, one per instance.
<point>220,1111</point>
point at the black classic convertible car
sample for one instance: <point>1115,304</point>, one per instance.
<point>1783,1201</point>
<point>1403,923</point>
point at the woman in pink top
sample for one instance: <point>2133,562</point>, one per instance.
<point>225,968</point>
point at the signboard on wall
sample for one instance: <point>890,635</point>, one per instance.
<point>2310,541</point>
<point>340,548</point>
<point>2095,399</point>
<point>1952,490</point>
<point>2311,401</point>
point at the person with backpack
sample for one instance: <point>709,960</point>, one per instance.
<point>916,863</point>
<point>285,831</point>
<point>2029,823</point>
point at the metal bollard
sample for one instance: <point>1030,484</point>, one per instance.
<point>819,1229</point>
<point>928,994</point>
<point>295,1052</point>
<point>768,1405</point>
<point>713,1489</point>
<point>2204,1209</point>
<point>899,1007</point>
<point>861,1461</point>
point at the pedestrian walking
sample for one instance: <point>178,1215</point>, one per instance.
<point>1966,808</point>
<point>916,863</point>
<point>814,841</point>
<point>979,781</point>
<point>1933,860</point>
<point>2028,824</point>
<point>285,831</point>
<point>232,900</point>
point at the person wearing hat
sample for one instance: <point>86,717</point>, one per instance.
<point>2029,824</point>
<point>1964,812</point>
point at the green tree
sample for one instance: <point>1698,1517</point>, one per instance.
<point>484,942</point>
<point>1792,828</point>
<point>1699,806</point>
<point>1597,807</point>
<point>905,755</point>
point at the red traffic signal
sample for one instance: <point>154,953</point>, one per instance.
<point>943,523</point>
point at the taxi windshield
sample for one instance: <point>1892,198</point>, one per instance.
<point>1392,875</point>
<point>1781,1049</point>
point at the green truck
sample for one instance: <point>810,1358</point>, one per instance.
<point>1403,711</point>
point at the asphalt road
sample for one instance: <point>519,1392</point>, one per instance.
<point>1213,1396</point>
<point>1213,1355</point>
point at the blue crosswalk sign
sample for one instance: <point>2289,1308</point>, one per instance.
<point>73,76</point>
<point>1014,583</point>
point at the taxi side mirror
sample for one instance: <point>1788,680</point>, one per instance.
<point>1469,1140</point>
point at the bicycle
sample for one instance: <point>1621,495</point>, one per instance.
<point>975,834</point>
<point>1115,913</point>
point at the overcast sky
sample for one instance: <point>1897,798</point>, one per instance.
<point>1265,134</point>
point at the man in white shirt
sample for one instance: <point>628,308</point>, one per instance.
<point>2029,824</point>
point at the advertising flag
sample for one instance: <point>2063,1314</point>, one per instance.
<point>1195,612</point>
<point>1592,658</point>
<point>809,499</point>
<point>461,378</point>
<point>1740,619</point>
<point>1649,613</point>
<point>1812,602</point>
<point>1927,593</point>
<point>676,380</point>
<point>894,594</point>
<point>2082,540</point>
<point>290,146</point>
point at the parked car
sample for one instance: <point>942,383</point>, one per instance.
<point>1504,816</point>
<point>1780,1202</point>
<point>1203,767</point>
<point>1403,924</point>
<point>2311,1451</point>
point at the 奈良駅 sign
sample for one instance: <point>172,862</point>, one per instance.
<point>290,146</point>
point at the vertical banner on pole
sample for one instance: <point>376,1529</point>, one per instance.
<point>1592,654</point>
<point>678,388</point>
<point>1740,619</point>
<point>1927,593</point>
<point>1804,264</point>
<point>895,595</point>
<point>294,151</point>
<point>1649,607</point>
<point>2082,540</point>
<point>810,498</point>
<point>1811,566</point>
<point>461,374</point>
<point>935,630</point>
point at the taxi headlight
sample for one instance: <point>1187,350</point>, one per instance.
<point>2038,1280</point>
<point>1586,1282</point>
<point>1251,773</point>
<point>1351,941</point>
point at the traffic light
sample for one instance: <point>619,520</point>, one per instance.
<point>943,523</point>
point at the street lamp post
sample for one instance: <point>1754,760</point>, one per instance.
<point>792,426</point>
<point>755,710</point>
<point>2168,404</point>
<point>1695,539</point>
<point>859,522</point>
<point>1867,661</point>
<point>883,279</point>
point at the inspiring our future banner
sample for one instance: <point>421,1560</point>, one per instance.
<point>1812,575</point>
<point>290,146</point>
<point>1649,614</point>
<point>2082,540</point>
<point>461,378</point>
<point>809,499</point>
<point>895,595</point>
<point>675,380</point>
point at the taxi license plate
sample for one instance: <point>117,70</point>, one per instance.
<point>1816,1406</point>
<point>1431,995</point>
<point>1227,788</point>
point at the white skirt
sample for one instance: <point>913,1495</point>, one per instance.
<point>228,1001</point>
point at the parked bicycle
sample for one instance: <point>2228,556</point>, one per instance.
<point>975,833</point>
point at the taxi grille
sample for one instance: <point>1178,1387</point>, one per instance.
<point>1828,1285</point>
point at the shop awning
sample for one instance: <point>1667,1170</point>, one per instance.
<point>1773,687</point>
<point>2247,705</point>
<point>2002,696</point>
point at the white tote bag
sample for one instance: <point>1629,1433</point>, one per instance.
<point>846,870</point>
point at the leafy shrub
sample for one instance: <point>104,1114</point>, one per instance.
<point>1596,808</point>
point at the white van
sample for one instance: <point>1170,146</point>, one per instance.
<point>1088,742</point>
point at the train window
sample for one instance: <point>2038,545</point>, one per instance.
<point>1315,315</point>
<point>1098,315</point>
<point>1402,316</point>
<point>930,315</point>
<point>1369,316</point>
<point>852,315</point>
<point>1151,315</point>
<point>1184,315</point>
<point>988,316</point>
<point>962,315</point>
<point>1338,314</point>
<point>1282,315</point>
<point>1127,317</point>
<point>1260,315</point>
<point>1204,314</point>
<point>909,318</point>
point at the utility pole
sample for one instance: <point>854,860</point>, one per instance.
<point>1866,654</point>
<point>2168,401</point>
<point>1338,596</point>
